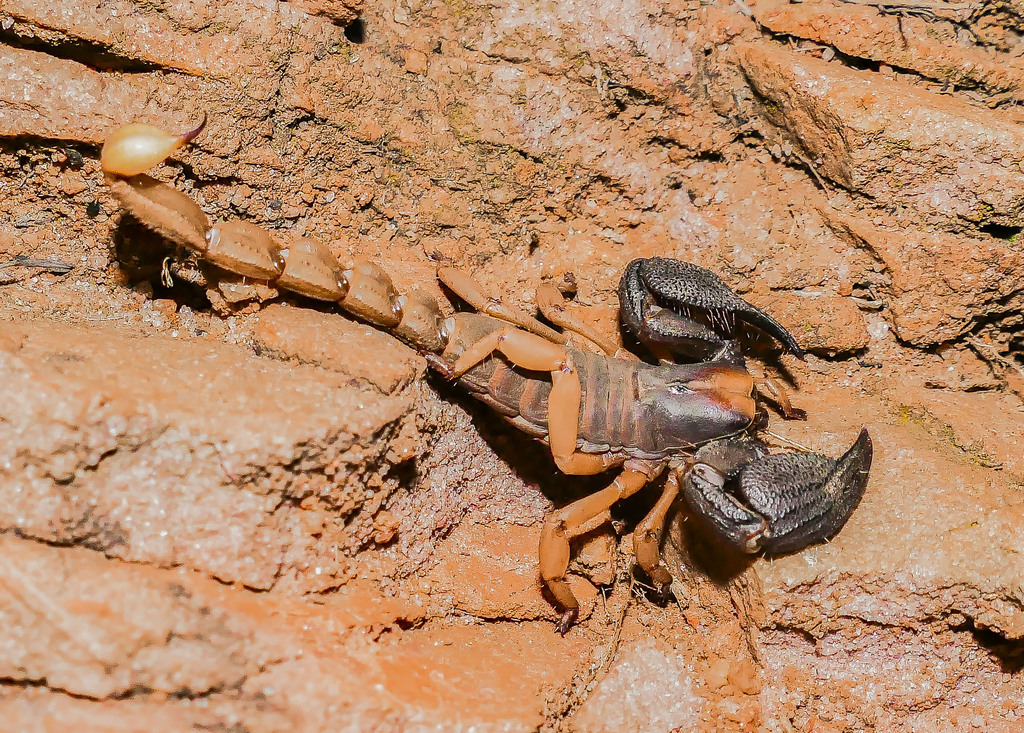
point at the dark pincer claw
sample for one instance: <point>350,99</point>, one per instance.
<point>757,502</point>
<point>690,311</point>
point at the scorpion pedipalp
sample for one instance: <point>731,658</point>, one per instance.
<point>775,503</point>
<point>690,311</point>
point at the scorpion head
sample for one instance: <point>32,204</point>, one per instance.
<point>685,405</point>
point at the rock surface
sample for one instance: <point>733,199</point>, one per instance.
<point>942,157</point>
<point>269,517</point>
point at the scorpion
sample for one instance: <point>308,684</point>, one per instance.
<point>596,407</point>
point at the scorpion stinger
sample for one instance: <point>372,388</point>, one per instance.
<point>778,504</point>
<point>687,310</point>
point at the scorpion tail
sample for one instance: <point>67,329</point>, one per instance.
<point>135,148</point>
<point>297,265</point>
<point>780,503</point>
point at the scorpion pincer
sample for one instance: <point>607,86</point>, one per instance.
<point>596,408</point>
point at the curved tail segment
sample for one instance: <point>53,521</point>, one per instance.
<point>298,265</point>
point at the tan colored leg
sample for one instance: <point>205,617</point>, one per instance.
<point>647,536</point>
<point>532,352</point>
<point>469,290</point>
<point>552,305</point>
<point>776,391</point>
<point>586,464</point>
<point>523,349</point>
<point>571,521</point>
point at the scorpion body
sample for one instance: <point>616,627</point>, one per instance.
<point>597,408</point>
<point>628,409</point>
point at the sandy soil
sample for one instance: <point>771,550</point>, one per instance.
<point>226,515</point>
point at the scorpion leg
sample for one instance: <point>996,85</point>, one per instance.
<point>776,391</point>
<point>552,305</point>
<point>571,521</point>
<point>469,290</point>
<point>779,503</point>
<point>647,536</point>
<point>532,352</point>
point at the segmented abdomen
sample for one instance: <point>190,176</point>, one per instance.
<point>628,408</point>
<point>607,420</point>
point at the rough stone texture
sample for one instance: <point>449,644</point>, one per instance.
<point>649,689</point>
<point>47,88</point>
<point>898,145</point>
<point>931,49</point>
<point>148,464</point>
<point>955,545</point>
<point>911,615</point>
<point>109,629</point>
<point>504,566</point>
<point>174,475</point>
<point>823,324</point>
<point>935,292</point>
<point>37,710</point>
<point>92,629</point>
<point>167,37</point>
<point>314,338</point>
<point>339,11</point>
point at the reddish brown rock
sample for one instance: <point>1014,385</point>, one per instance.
<point>33,709</point>
<point>415,62</point>
<point>941,285</point>
<point>99,629</point>
<point>821,324</point>
<point>906,42</point>
<point>113,642</point>
<point>891,141</point>
<point>953,549</point>
<point>335,342</point>
<point>490,571</point>
<point>649,688</point>
<point>51,97</point>
<point>340,11</point>
<point>174,452</point>
<point>937,529</point>
<point>166,39</point>
<point>538,140</point>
